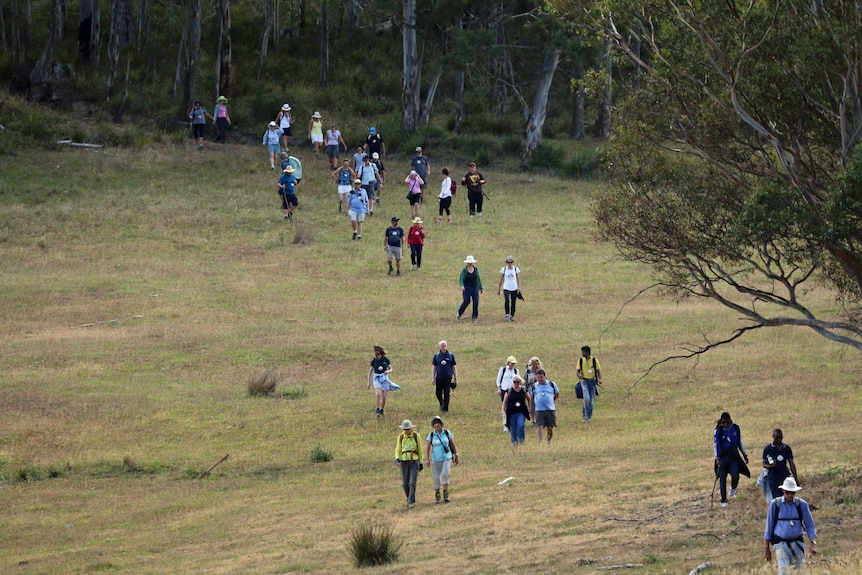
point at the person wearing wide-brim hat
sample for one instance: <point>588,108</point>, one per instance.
<point>378,375</point>
<point>787,518</point>
<point>270,140</point>
<point>471,287</point>
<point>440,452</point>
<point>315,132</point>
<point>408,457</point>
<point>416,240</point>
<point>284,119</point>
<point>287,190</point>
<point>357,207</point>
<point>222,118</point>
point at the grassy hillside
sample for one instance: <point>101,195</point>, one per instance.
<point>143,289</point>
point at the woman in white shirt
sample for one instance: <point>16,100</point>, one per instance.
<point>510,282</point>
<point>445,198</point>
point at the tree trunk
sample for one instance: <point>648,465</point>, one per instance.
<point>302,13</point>
<point>143,23</point>
<point>636,66</point>
<point>192,62</point>
<point>603,119</point>
<point>264,45</point>
<point>3,30</point>
<point>180,51</point>
<point>352,17</point>
<point>540,106</point>
<point>95,36</point>
<point>61,16</point>
<point>113,48</point>
<point>223,62</point>
<point>459,102</point>
<point>324,44</point>
<point>429,97</point>
<point>43,71</point>
<point>412,70</point>
<point>578,131</point>
<point>28,35</point>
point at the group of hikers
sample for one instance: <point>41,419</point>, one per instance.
<point>788,516</point>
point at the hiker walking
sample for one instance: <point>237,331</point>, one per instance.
<point>378,375</point>
<point>408,458</point>
<point>530,381</point>
<point>474,180</point>
<point>516,407</point>
<point>545,392</point>
<point>727,441</point>
<point>444,375</point>
<point>787,518</point>
<point>471,287</point>
<point>777,456</point>
<point>590,376</point>
<point>440,452</point>
<point>510,283</point>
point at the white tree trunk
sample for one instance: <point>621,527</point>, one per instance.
<point>412,70</point>
<point>540,106</point>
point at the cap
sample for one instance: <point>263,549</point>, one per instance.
<point>373,130</point>
<point>395,218</point>
<point>375,155</point>
<point>418,148</point>
<point>357,181</point>
<point>473,164</point>
<point>511,359</point>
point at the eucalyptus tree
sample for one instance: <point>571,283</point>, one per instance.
<point>733,170</point>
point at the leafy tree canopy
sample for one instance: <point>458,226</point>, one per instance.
<point>732,169</point>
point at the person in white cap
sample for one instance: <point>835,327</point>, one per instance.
<point>504,382</point>
<point>421,165</point>
<point>787,518</point>
<point>471,287</point>
<point>408,457</point>
<point>270,140</point>
<point>284,119</point>
<point>357,207</point>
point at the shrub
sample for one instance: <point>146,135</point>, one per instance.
<point>549,156</point>
<point>583,163</point>
<point>298,392</point>
<point>264,383</point>
<point>130,465</point>
<point>29,474</point>
<point>370,545</point>
<point>320,455</point>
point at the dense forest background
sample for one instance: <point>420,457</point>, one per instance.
<point>449,71</point>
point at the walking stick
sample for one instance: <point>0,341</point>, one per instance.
<point>714,483</point>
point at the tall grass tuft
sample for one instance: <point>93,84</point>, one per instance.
<point>370,546</point>
<point>264,383</point>
<point>304,234</point>
<point>320,455</point>
<point>296,392</point>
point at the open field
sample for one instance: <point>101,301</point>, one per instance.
<point>142,290</point>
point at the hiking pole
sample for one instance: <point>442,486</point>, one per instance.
<point>714,483</point>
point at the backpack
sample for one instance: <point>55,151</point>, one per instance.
<point>446,448</point>
<point>503,371</point>
<point>453,188</point>
<point>579,392</point>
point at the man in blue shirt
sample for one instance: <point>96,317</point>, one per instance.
<point>392,244</point>
<point>421,166</point>
<point>788,516</point>
<point>287,190</point>
<point>777,456</point>
<point>357,207</point>
<point>544,394</point>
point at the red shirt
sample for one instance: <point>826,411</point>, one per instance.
<point>416,235</point>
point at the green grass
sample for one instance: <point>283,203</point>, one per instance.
<point>144,289</point>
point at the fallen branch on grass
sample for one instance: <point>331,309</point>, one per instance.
<point>216,464</point>
<point>701,567</point>
<point>721,538</point>
<point>78,144</point>
<point>623,566</point>
<point>653,518</point>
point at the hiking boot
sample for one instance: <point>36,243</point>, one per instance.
<point>398,273</point>
<point>446,495</point>
<point>437,497</point>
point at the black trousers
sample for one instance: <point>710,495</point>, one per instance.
<point>444,388</point>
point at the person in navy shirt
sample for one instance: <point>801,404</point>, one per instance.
<point>727,441</point>
<point>392,243</point>
<point>443,374</point>
<point>777,456</point>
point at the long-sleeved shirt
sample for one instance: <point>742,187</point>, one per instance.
<point>407,446</point>
<point>789,523</point>
<point>727,440</point>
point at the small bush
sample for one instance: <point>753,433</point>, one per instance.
<point>584,163</point>
<point>29,474</point>
<point>264,383</point>
<point>131,466</point>
<point>370,546</point>
<point>320,455</point>
<point>549,156</point>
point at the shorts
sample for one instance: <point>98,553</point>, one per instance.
<point>273,148</point>
<point>369,191</point>
<point>332,151</point>
<point>316,138</point>
<point>198,130</point>
<point>286,131</point>
<point>288,199</point>
<point>344,189</point>
<point>415,199</point>
<point>355,216</point>
<point>393,251</point>
<point>546,418</point>
<point>381,382</point>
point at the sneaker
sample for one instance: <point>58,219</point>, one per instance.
<point>271,167</point>
<point>359,237</point>
<point>413,266</point>
<point>339,208</point>
<point>549,443</point>
<point>448,220</point>
<point>475,319</point>
<point>389,273</point>
<point>290,215</point>
<point>439,220</point>
<point>354,235</point>
<point>732,492</point>
<point>724,504</point>
<point>480,214</point>
<point>505,429</point>
<point>471,215</point>
<point>458,316</point>
<point>446,496</point>
<point>378,412</point>
<point>398,273</point>
<point>382,414</point>
<point>437,497</point>
<point>511,318</point>
<point>506,318</point>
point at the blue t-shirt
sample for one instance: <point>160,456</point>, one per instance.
<point>289,183</point>
<point>394,236</point>
<point>438,441</point>
<point>543,396</point>
<point>444,363</point>
<point>198,115</point>
<point>367,173</point>
<point>358,201</point>
<point>420,165</point>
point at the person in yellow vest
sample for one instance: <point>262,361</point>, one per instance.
<point>590,375</point>
<point>408,457</point>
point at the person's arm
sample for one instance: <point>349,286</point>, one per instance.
<point>434,369</point>
<point>454,450</point>
<point>793,470</point>
<point>421,181</point>
<point>500,283</point>
<point>343,145</point>
<point>418,451</point>
<point>383,149</point>
<point>530,408</point>
<point>398,449</point>
<point>370,375</point>
<point>388,368</point>
<point>556,391</point>
<point>505,402</point>
<point>479,281</point>
<point>715,442</point>
<point>427,450</point>
<point>454,369</point>
<point>598,372</point>
<point>518,279</point>
<point>739,439</point>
